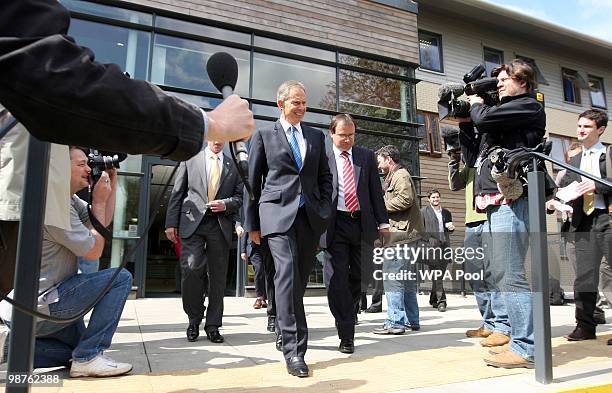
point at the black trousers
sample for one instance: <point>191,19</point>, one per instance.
<point>9,232</point>
<point>204,254</point>
<point>263,264</point>
<point>294,255</point>
<point>593,241</point>
<point>345,276</point>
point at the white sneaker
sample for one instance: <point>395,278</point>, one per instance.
<point>100,366</point>
<point>4,331</point>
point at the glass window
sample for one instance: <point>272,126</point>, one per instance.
<point>270,71</point>
<point>561,145</point>
<point>373,65</point>
<point>407,147</point>
<point>429,133</point>
<point>493,58</point>
<point>111,44</point>
<point>105,11</point>
<point>182,63</point>
<point>371,95</point>
<point>201,101</point>
<point>430,51</point>
<point>202,30</point>
<point>571,87</point>
<point>289,47</point>
<point>596,90</point>
<point>539,76</point>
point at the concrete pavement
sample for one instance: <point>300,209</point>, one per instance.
<point>438,358</point>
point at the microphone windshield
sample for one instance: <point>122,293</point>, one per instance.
<point>447,88</point>
<point>222,70</point>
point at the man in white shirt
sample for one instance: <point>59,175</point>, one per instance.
<point>591,220</point>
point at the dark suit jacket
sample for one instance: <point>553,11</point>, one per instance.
<point>277,183</point>
<point>187,204</point>
<point>60,94</point>
<point>578,214</point>
<point>369,194</point>
<point>432,228</point>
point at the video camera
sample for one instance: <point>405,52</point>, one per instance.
<point>100,161</point>
<point>449,103</point>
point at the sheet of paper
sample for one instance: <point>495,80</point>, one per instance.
<point>568,193</point>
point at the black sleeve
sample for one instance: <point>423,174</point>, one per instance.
<point>60,94</point>
<point>508,116</point>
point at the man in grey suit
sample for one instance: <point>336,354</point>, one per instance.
<point>359,217</point>
<point>292,186</point>
<point>206,196</point>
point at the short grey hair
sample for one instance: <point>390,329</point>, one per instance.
<point>283,90</point>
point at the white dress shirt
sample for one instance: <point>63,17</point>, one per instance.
<point>340,166</point>
<point>597,150</point>
<point>298,135</point>
<point>209,162</point>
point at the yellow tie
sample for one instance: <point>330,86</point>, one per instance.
<point>589,199</point>
<point>214,178</point>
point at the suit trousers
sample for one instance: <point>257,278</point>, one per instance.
<point>593,241</point>
<point>345,260</point>
<point>263,264</point>
<point>294,261</point>
<point>9,232</point>
<point>205,253</point>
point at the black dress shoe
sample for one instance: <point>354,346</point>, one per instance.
<point>442,306</point>
<point>193,332</point>
<point>214,336</point>
<point>372,310</point>
<point>610,341</point>
<point>347,345</point>
<point>279,342</point>
<point>296,366</point>
<point>580,334</point>
<point>271,324</point>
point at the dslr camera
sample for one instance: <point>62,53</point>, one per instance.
<point>449,103</point>
<point>100,161</point>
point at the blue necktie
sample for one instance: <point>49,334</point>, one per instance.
<point>295,149</point>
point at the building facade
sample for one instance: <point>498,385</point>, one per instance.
<point>351,56</point>
<point>573,72</point>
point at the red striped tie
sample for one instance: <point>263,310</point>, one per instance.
<point>350,194</point>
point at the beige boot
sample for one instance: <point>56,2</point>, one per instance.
<point>481,332</point>
<point>508,359</point>
<point>495,340</point>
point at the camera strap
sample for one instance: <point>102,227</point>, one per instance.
<point>102,230</point>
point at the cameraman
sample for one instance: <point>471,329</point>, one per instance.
<point>56,89</point>
<point>518,121</point>
<point>63,292</point>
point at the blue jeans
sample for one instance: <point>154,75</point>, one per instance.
<point>402,305</point>
<point>508,243</point>
<point>58,343</point>
<point>88,265</point>
<point>490,302</point>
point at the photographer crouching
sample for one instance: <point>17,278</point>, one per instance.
<point>517,121</point>
<point>63,292</point>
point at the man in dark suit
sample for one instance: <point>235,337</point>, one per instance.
<point>292,186</point>
<point>358,214</point>
<point>57,90</point>
<point>591,222</point>
<point>438,223</point>
<point>207,195</point>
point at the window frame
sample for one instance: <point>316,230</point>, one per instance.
<point>603,91</point>
<point>572,77</point>
<point>440,52</point>
<point>429,134</point>
<point>486,49</point>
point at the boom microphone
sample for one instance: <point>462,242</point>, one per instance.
<point>222,70</point>
<point>446,89</point>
